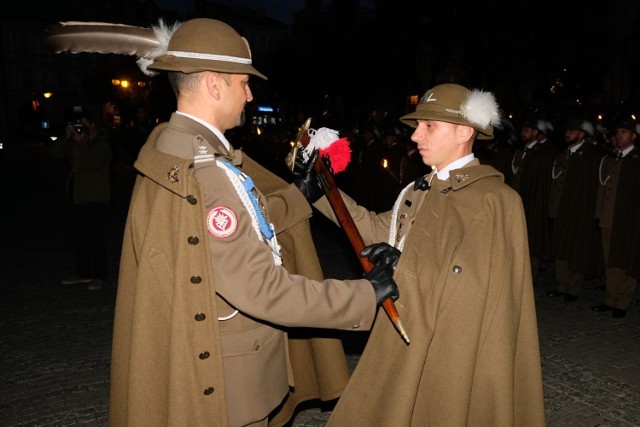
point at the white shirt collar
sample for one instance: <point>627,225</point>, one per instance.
<point>217,133</point>
<point>575,147</point>
<point>624,152</point>
<point>444,173</point>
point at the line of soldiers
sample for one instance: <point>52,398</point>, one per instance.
<point>581,196</point>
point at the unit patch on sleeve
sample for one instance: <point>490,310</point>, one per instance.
<point>221,221</point>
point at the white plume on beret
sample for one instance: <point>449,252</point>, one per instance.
<point>481,109</point>
<point>163,33</point>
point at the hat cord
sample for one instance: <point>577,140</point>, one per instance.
<point>208,56</point>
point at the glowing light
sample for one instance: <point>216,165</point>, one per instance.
<point>47,95</point>
<point>115,82</point>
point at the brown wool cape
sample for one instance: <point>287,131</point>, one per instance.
<point>466,301</point>
<point>157,377</point>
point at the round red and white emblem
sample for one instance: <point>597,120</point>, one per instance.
<point>221,221</point>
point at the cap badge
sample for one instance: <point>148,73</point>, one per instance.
<point>429,98</point>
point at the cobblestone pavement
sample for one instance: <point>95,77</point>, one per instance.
<point>55,340</point>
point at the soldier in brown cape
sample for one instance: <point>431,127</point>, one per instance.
<point>577,246</point>
<point>531,167</point>
<point>203,295</point>
<point>458,237</point>
<point>620,286</point>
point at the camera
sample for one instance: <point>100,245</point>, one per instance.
<point>78,127</point>
<point>74,118</point>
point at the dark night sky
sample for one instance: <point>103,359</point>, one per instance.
<point>280,10</point>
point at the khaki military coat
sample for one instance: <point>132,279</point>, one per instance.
<point>174,360</point>
<point>467,303</point>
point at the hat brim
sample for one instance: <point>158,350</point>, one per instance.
<point>189,65</point>
<point>412,118</point>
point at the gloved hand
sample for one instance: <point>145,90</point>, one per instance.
<point>305,177</point>
<point>382,254</point>
<point>383,284</point>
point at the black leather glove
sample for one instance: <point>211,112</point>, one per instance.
<point>382,254</point>
<point>305,177</point>
<point>383,284</point>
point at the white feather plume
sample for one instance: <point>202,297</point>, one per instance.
<point>163,34</point>
<point>481,109</point>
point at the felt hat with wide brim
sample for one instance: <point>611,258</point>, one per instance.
<point>445,103</point>
<point>204,44</point>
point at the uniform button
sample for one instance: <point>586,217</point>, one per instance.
<point>196,279</point>
<point>403,216</point>
<point>257,347</point>
<point>204,355</point>
<point>355,326</point>
<point>192,199</point>
<point>208,391</point>
<point>200,317</point>
<point>193,240</point>
<point>457,269</point>
<point>199,138</point>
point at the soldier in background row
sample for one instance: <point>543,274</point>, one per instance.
<point>576,237</point>
<point>613,195</point>
<point>531,177</point>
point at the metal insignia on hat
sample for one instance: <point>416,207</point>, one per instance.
<point>172,175</point>
<point>461,177</point>
<point>202,150</point>
<point>427,97</point>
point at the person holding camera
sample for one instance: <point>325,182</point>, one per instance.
<point>88,191</point>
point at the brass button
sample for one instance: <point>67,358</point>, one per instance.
<point>200,317</point>
<point>199,138</point>
<point>193,240</point>
<point>196,279</point>
<point>356,326</point>
<point>192,199</point>
<point>208,391</point>
<point>257,347</point>
<point>204,355</point>
<point>457,269</point>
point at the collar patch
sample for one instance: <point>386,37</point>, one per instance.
<point>172,175</point>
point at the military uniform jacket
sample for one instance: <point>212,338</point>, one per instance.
<point>467,303</point>
<point>174,360</point>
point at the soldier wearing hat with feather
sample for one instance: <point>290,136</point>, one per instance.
<point>206,289</point>
<point>457,239</point>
